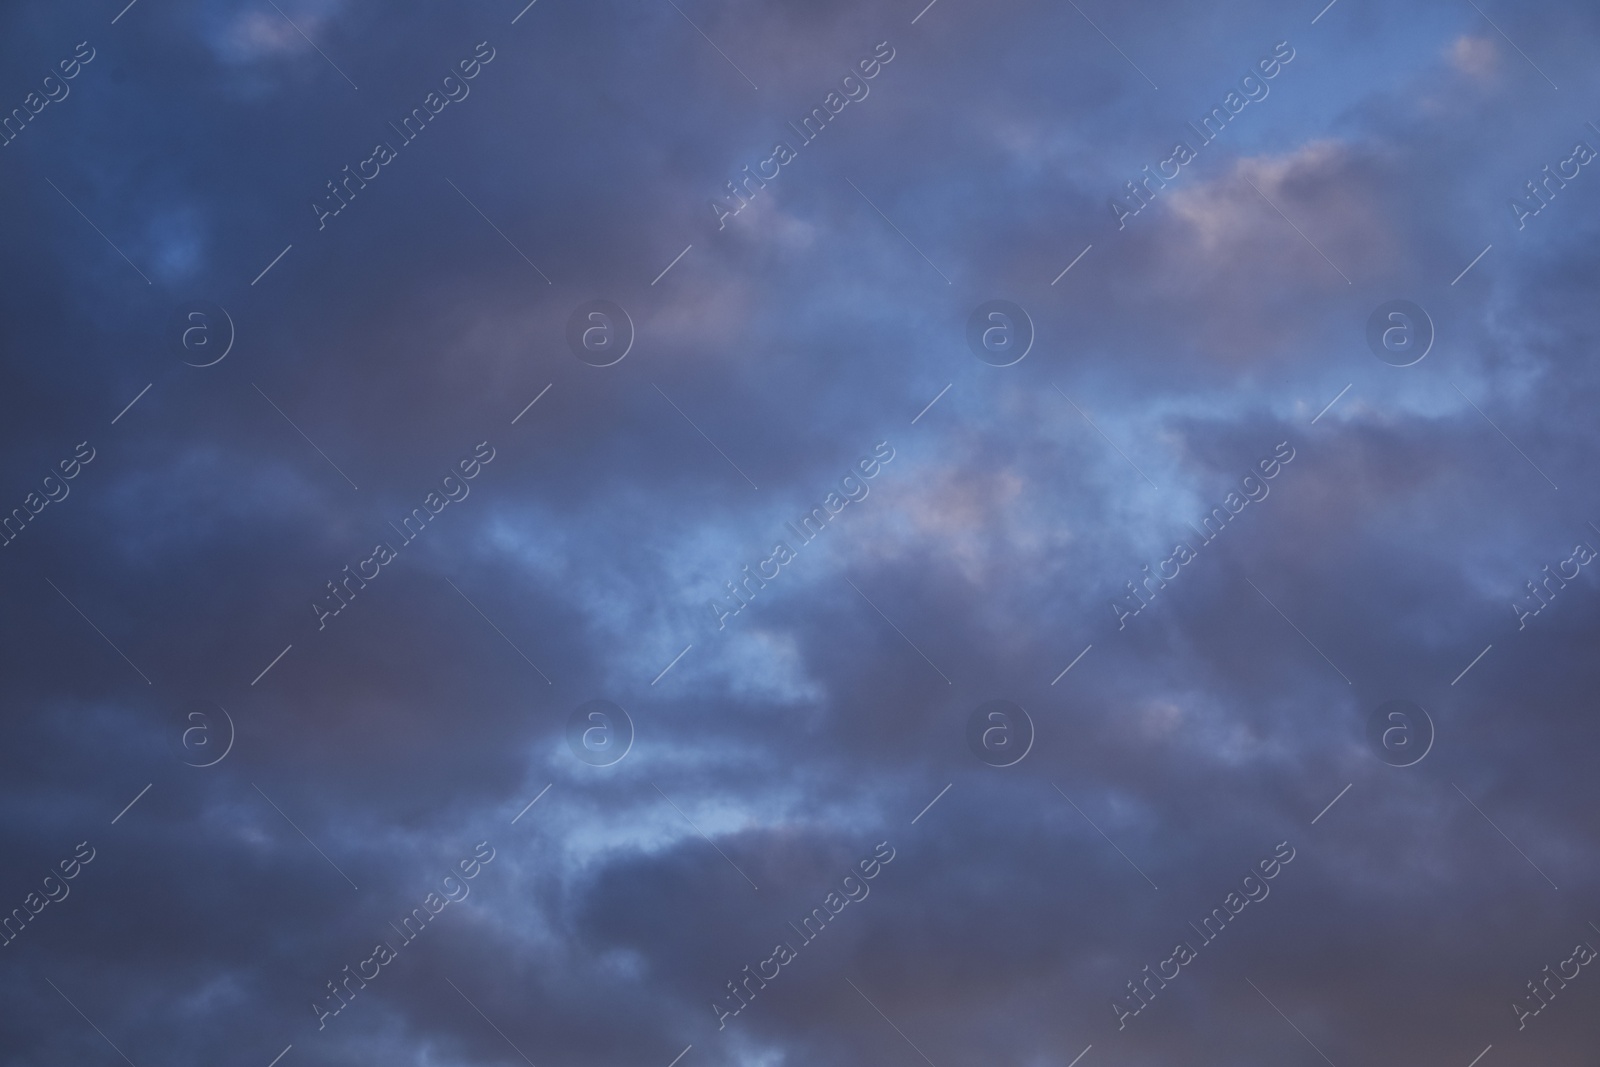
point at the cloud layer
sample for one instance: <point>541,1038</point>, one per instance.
<point>302,778</point>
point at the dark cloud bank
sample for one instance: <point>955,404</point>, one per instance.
<point>293,641</point>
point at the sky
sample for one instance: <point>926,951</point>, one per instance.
<point>516,548</point>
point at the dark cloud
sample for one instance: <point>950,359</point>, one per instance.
<point>169,585</point>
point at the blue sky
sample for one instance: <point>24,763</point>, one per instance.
<point>160,607</point>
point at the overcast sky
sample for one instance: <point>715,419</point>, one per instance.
<point>386,384</point>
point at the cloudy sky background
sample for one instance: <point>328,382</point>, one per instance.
<point>823,718</point>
